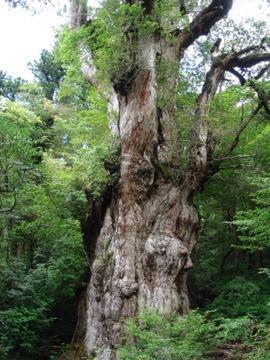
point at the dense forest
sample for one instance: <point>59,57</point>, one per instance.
<point>135,187</point>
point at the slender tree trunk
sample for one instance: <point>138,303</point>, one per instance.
<point>78,13</point>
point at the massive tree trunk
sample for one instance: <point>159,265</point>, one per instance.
<point>141,245</point>
<point>149,227</point>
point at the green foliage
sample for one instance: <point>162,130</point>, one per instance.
<point>67,48</point>
<point>111,37</point>
<point>74,89</point>
<point>253,224</point>
<point>82,138</point>
<point>9,87</point>
<point>153,336</point>
<point>216,257</point>
<point>82,129</point>
<point>50,244</point>
<point>193,336</point>
<point>42,256</point>
<point>240,297</point>
<point>16,154</point>
<point>24,314</point>
<point>48,72</point>
<point>32,97</point>
<point>236,330</point>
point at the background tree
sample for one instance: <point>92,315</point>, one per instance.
<point>24,3</point>
<point>9,87</point>
<point>48,72</point>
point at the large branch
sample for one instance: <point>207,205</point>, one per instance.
<point>252,83</point>
<point>217,162</point>
<point>90,74</point>
<point>78,18</point>
<point>239,76</point>
<point>204,21</point>
<point>201,144</point>
<point>246,62</point>
<point>249,60</point>
<point>262,72</point>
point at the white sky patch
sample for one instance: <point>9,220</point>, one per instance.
<point>243,9</point>
<point>23,35</point>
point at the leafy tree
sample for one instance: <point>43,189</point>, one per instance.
<point>36,273</point>
<point>16,157</point>
<point>152,336</point>
<point>253,224</point>
<point>9,87</point>
<point>48,72</point>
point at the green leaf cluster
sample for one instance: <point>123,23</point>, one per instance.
<point>194,336</point>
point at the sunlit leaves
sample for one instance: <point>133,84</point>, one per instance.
<point>16,153</point>
<point>48,72</point>
<point>9,87</point>
<point>253,224</point>
<point>155,337</point>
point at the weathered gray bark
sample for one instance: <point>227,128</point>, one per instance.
<point>142,250</point>
<point>90,73</point>
<point>149,229</point>
<point>78,17</point>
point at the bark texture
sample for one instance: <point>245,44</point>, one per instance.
<point>149,228</point>
<point>141,243</point>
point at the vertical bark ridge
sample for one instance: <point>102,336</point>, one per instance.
<point>168,68</point>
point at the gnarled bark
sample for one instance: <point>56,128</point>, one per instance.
<point>142,248</point>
